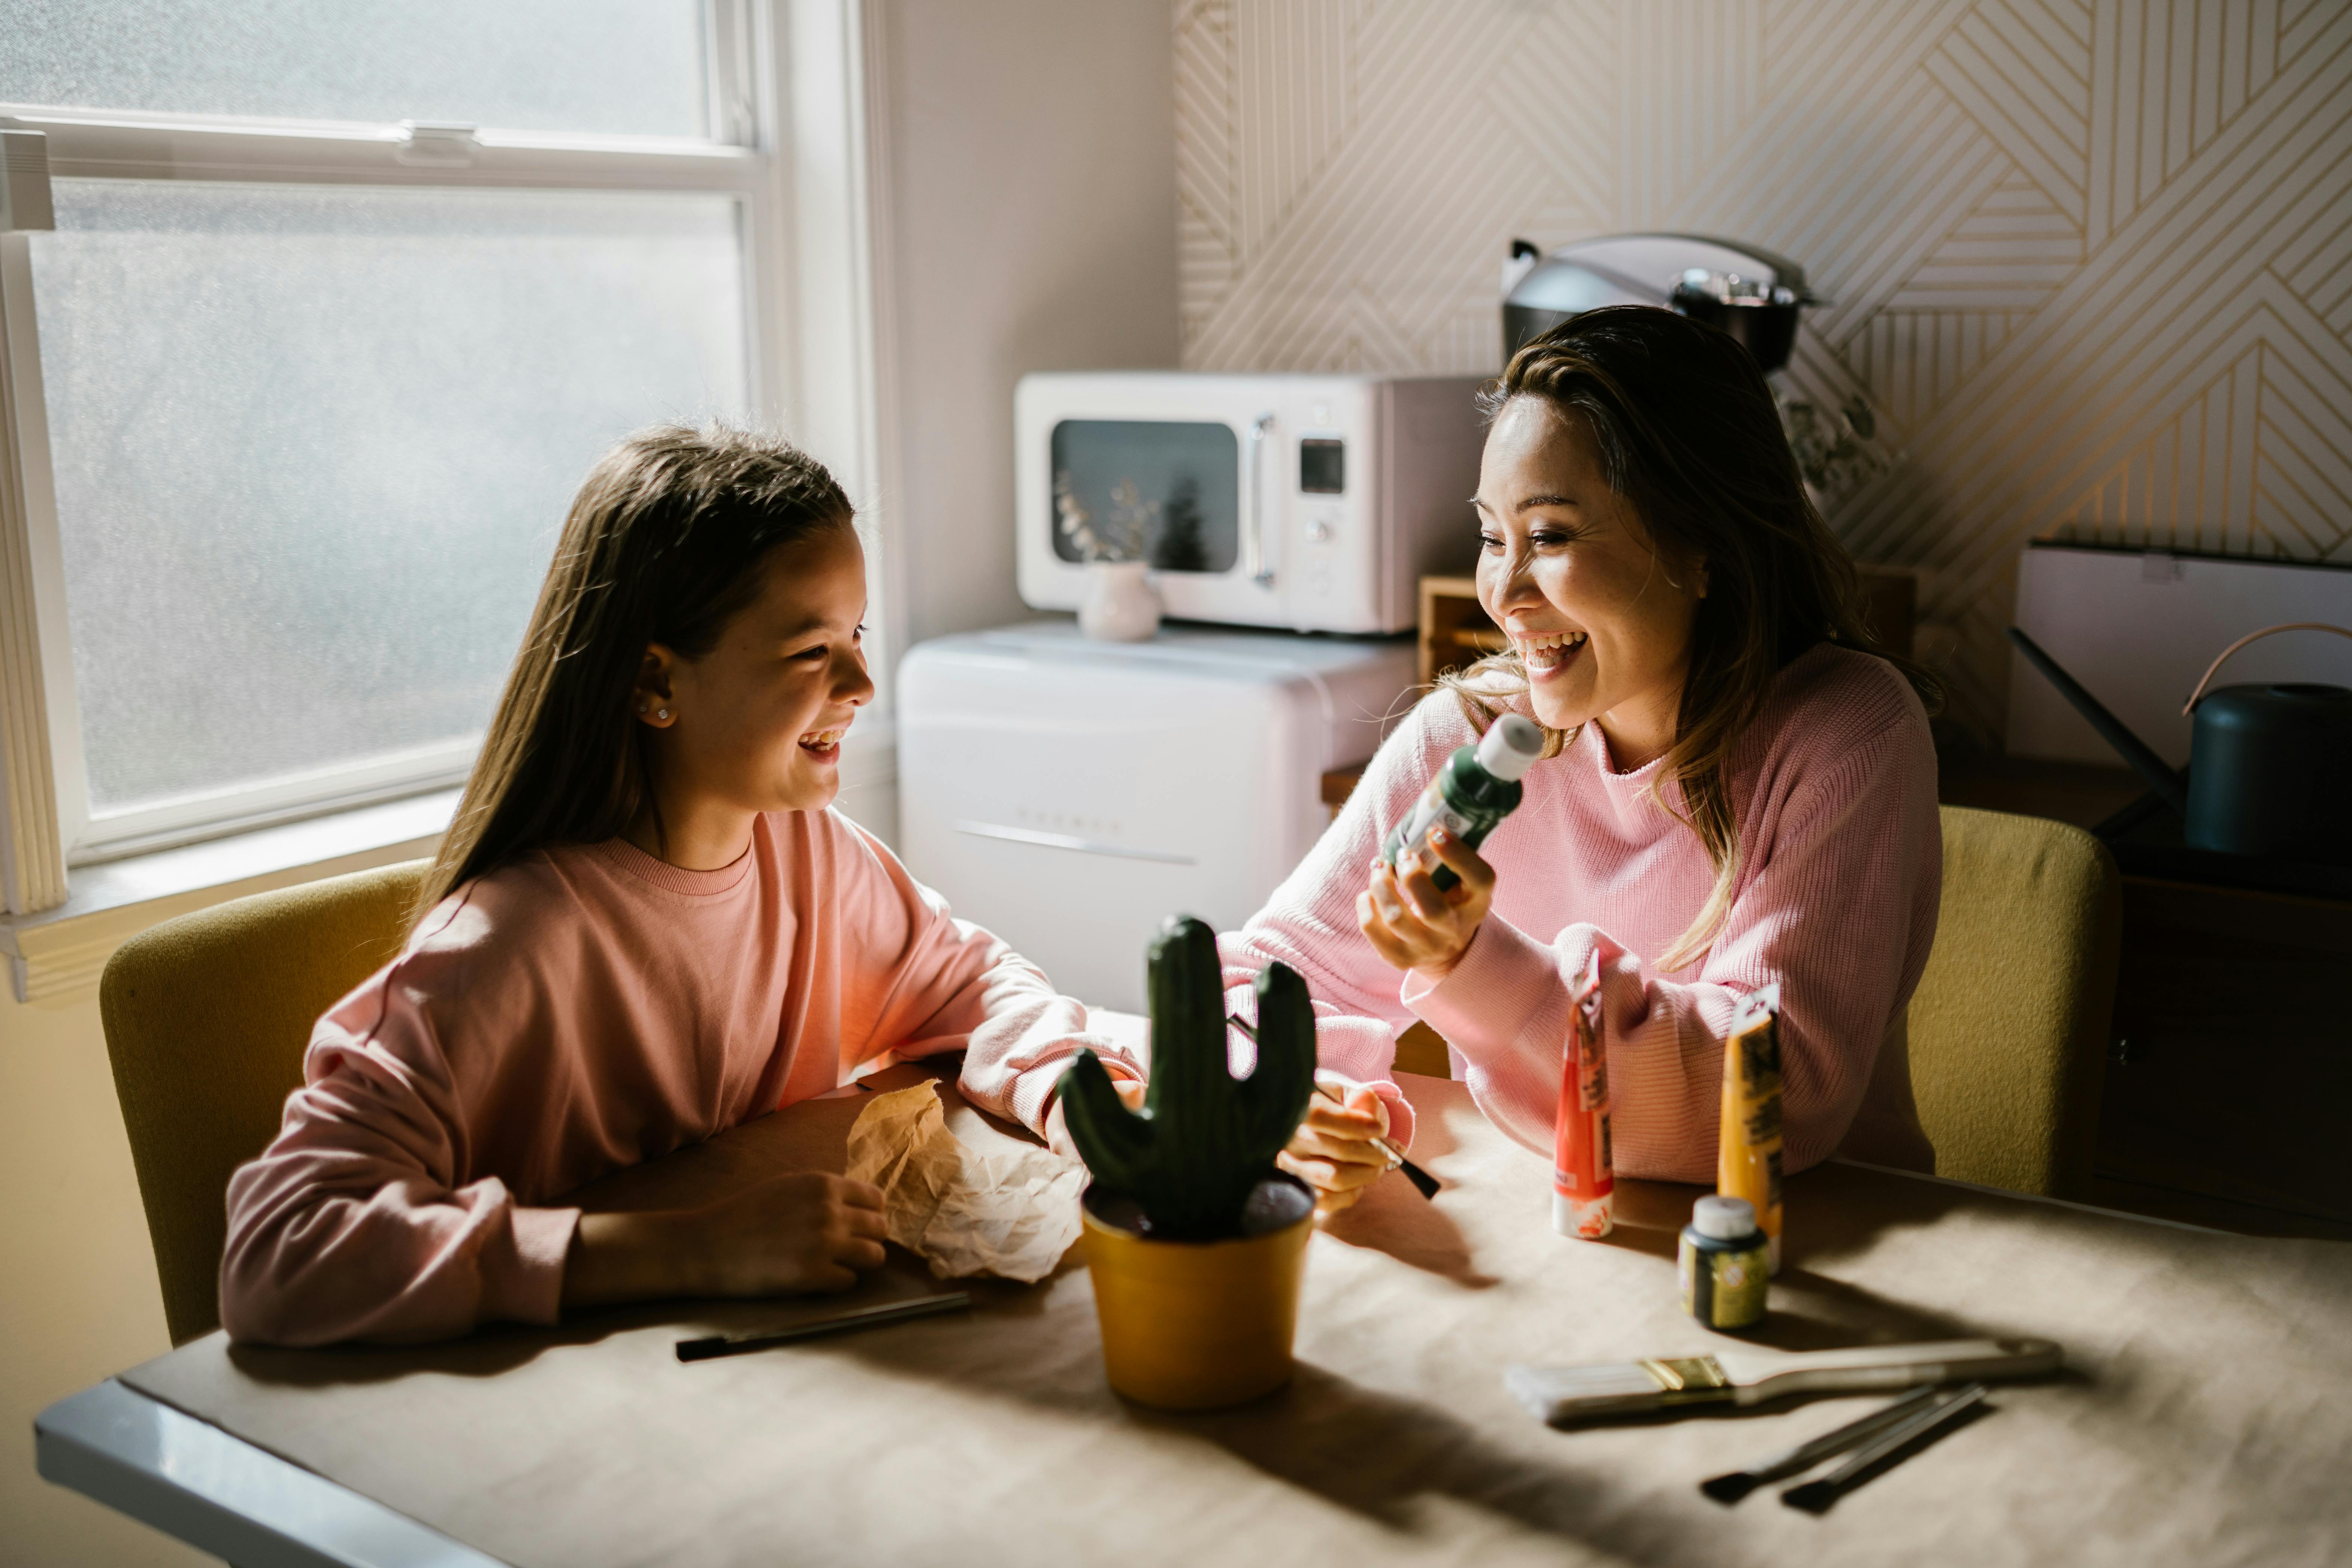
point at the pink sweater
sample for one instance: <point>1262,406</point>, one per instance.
<point>588,1008</point>
<point>1833,789</point>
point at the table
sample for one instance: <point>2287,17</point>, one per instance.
<point>2202,1416</point>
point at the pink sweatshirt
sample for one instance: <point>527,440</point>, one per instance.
<point>588,1008</point>
<point>1833,789</point>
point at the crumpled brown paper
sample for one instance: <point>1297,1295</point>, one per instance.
<point>1013,1213</point>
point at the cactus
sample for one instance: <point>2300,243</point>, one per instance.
<point>1205,1139</point>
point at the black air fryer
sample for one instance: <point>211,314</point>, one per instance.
<point>1749,293</point>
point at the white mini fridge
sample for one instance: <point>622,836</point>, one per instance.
<point>1070,794</point>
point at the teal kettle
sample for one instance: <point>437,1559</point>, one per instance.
<point>2270,764</point>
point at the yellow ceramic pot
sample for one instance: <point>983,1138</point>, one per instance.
<point>1191,1325</point>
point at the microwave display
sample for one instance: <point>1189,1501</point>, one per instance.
<point>1165,491</point>
<point>1323,466</point>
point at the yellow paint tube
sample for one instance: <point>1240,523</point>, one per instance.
<point>1748,1159</point>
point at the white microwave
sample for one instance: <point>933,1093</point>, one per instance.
<point>1310,502</point>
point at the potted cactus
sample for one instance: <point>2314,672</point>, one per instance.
<point>1196,1243</point>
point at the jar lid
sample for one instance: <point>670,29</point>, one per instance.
<point>1724,1219</point>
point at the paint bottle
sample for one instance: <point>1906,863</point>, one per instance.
<point>1584,1178</point>
<point>1723,1262</point>
<point>1747,1151</point>
<point>1477,787</point>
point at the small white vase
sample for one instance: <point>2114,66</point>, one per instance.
<point>1120,606</point>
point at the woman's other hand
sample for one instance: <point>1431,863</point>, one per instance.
<point>781,1236</point>
<point>1333,1152</point>
<point>1412,925</point>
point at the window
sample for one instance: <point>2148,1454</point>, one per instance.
<point>340,302</point>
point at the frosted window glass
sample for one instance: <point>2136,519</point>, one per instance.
<point>313,448</point>
<point>625,67</point>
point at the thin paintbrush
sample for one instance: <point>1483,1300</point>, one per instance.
<point>1815,1496</point>
<point>1731,1488</point>
<point>839,1322</point>
<point>1422,1182</point>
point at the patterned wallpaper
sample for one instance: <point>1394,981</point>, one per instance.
<point>2091,260</point>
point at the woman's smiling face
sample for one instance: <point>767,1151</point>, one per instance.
<point>1565,567</point>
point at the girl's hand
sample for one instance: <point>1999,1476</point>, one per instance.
<point>1410,923</point>
<point>1332,1150</point>
<point>783,1236</point>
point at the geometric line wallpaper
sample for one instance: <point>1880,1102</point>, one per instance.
<point>2090,259</point>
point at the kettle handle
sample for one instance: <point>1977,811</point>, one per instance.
<point>2190,706</point>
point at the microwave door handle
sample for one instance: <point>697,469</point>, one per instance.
<point>1254,541</point>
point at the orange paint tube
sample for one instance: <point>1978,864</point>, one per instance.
<point>1584,1180</point>
<point>1747,1159</point>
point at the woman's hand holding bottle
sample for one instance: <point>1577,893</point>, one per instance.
<point>1410,922</point>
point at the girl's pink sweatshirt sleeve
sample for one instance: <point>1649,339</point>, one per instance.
<point>946,984</point>
<point>1844,876</point>
<point>351,1225</point>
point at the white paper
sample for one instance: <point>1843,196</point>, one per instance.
<point>1013,1213</point>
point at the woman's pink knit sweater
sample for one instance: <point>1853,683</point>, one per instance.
<point>1833,791</point>
<point>590,1007</point>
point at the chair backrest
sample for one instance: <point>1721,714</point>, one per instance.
<point>206,1019</point>
<point>2009,1027</point>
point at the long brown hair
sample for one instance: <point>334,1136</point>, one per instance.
<point>662,545</point>
<point>1688,433</point>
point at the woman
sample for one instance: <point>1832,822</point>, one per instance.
<point>1735,792</point>
<point>645,926</point>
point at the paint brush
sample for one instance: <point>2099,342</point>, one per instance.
<point>1422,1182</point>
<point>839,1322</point>
<point>1566,1395</point>
<point>1738,1484</point>
<point>1816,1496</point>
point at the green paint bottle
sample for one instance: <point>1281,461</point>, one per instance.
<point>1477,787</point>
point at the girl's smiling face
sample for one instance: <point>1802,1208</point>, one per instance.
<point>756,723</point>
<point>1601,618</point>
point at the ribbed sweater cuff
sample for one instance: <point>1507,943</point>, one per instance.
<point>1032,1099</point>
<point>531,1290</point>
<point>1506,996</point>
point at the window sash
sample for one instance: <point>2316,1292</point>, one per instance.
<point>788,135</point>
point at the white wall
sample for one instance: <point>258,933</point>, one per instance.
<point>1030,194</point>
<point>77,1294</point>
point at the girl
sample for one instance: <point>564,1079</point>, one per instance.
<point>644,928</point>
<point>1736,791</point>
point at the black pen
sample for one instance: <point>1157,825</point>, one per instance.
<point>840,1323</point>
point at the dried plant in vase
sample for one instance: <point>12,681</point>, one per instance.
<point>1121,604</point>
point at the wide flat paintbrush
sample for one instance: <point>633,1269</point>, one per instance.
<point>1565,1395</point>
<point>1422,1182</point>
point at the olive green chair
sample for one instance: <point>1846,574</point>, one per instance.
<point>2007,1032</point>
<point>2009,1027</point>
<point>207,1018</point>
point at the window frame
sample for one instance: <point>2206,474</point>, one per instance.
<point>790,114</point>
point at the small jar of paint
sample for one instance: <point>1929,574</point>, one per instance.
<point>1725,1264</point>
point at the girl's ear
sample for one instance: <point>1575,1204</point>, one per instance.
<point>651,697</point>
